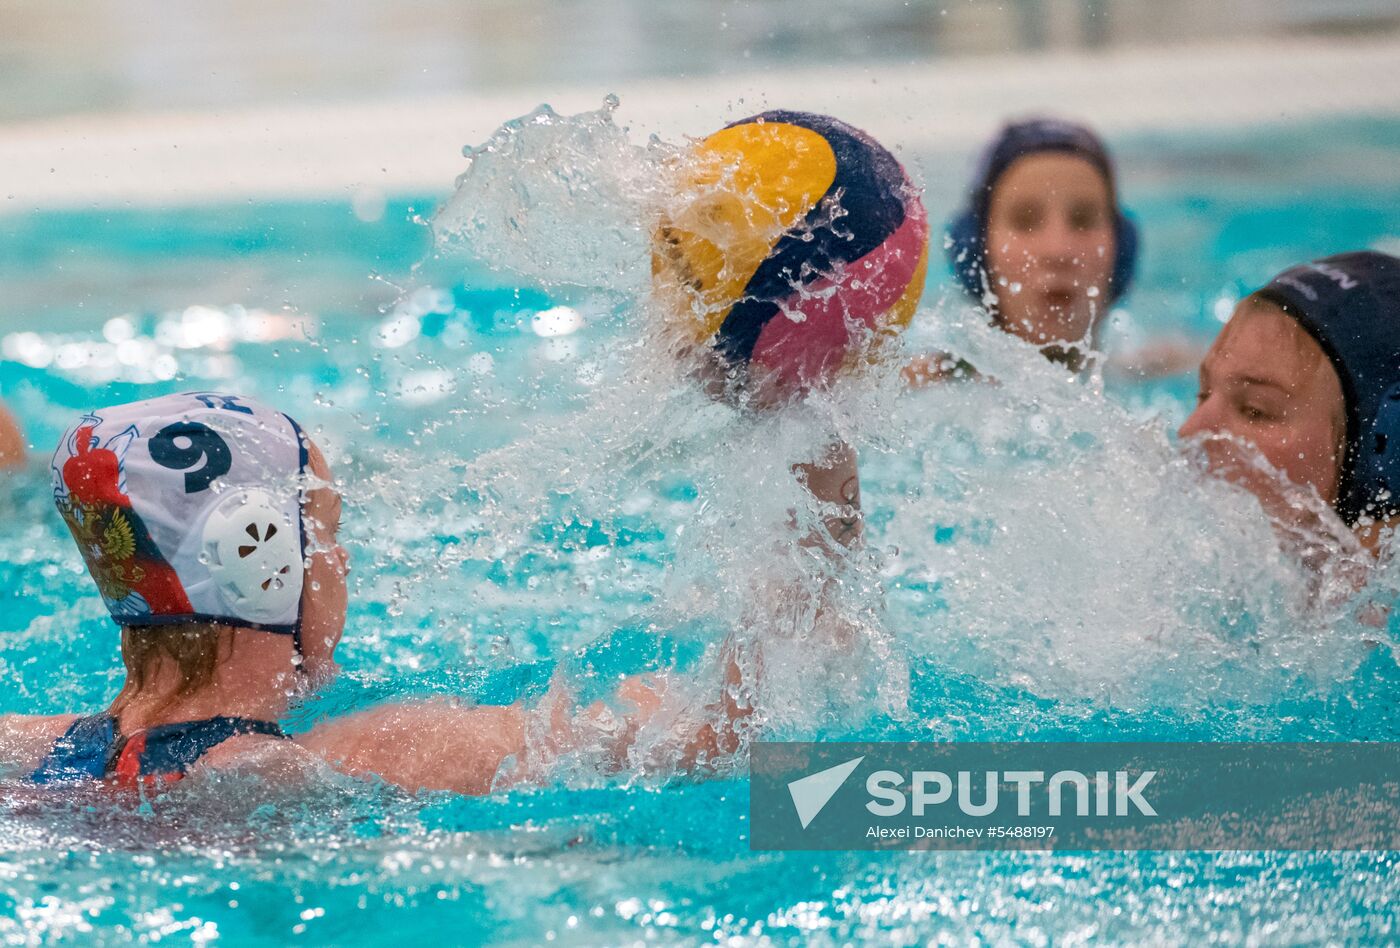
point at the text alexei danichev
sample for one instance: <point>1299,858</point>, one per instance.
<point>925,832</point>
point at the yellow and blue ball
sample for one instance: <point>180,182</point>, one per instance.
<point>796,242</point>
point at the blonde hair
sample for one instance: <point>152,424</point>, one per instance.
<point>193,647</point>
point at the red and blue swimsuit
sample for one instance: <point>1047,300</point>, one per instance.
<point>93,748</point>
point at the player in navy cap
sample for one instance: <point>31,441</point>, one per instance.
<point>1042,243</point>
<point>1307,374</point>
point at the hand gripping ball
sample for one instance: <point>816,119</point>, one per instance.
<point>794,245</point>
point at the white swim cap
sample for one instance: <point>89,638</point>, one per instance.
<point>188,508</point>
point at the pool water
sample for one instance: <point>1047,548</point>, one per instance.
<point>530,493</point>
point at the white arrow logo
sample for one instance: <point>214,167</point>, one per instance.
<point>814,791</point>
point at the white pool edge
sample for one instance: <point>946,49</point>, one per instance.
<point>414,145</point>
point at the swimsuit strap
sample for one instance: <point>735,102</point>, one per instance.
<point>93,748</point>
<point>84,752</point>
<point>168,750</point>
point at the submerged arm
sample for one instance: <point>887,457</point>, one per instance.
<point>680,737</point>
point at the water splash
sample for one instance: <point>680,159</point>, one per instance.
<point>1027,531</point>
<point>1050,540</point>
<point>559,200</point>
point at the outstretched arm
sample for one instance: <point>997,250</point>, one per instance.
<point>442,744</point>
<point>652,726</point>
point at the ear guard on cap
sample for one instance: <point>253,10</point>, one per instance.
<point>1125,254</point>
<point>965,252</point>
<point>254,555</point>
<point>1376,461</point>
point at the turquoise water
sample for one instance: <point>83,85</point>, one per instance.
<point>522,501</point>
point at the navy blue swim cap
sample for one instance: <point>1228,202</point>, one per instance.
<point>1350,304</point>
<point>967,233</point>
